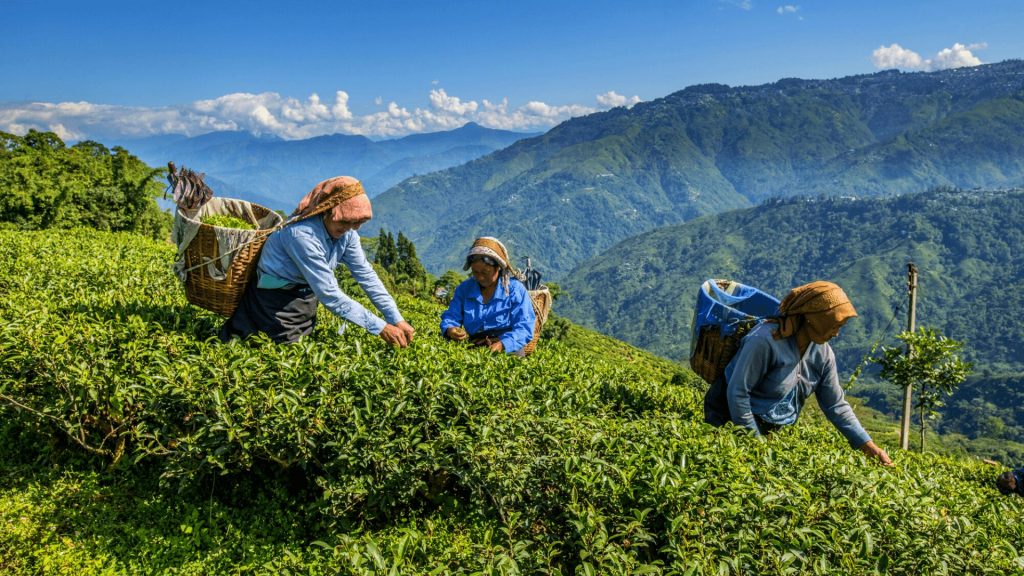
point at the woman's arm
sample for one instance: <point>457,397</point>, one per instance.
<point>521,318</point>
<point>748,368</point>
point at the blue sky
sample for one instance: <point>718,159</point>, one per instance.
<point>386,68</point>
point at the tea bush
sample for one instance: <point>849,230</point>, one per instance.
<point>135,442</point>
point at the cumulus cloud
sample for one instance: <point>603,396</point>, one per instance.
<point>787,9</point>
<point>896,56</point>
<point>611,99</point>
<point>290,118</point>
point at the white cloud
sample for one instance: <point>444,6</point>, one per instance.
<point>290,118</point>
<point>787,9</point>
<point>611,99</point>
<point>440,100</point>
<point>896,56</point>
<point>957,57</point>
<point>741,4</point>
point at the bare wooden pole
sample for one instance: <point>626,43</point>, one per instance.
<point>911,320</point>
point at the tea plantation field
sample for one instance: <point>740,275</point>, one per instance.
<point>133,442</point>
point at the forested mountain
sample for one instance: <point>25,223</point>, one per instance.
<point>276,172</point>
<point>966,245</point>
<point>590,182</point>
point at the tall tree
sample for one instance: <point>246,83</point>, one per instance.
<point>408,264</point>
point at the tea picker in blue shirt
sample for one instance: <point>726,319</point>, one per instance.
<point>492,308</point>
<point>296,272</point>
<point>784,360</point>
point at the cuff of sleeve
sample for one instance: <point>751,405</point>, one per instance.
<point>858,439</point>
<point>375,325</point>
<point>509,344</point>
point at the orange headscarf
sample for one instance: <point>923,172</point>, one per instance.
<point>820,307</point>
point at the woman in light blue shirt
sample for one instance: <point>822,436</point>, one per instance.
<point>296,272</point>
<point>784,360</point>
<point>492,308</point>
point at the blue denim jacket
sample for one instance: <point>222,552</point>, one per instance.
<point>304,253</point>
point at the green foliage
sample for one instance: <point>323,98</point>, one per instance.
<point>930,365</point>
<point>45,184</point>
<point>593,181</point>
<point>340,454</point>
<point>398,258</point>
<point>444,287</point>
<point>225,221</point>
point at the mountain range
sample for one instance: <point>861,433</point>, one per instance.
<point>276,173</point>
<point>590,182</point>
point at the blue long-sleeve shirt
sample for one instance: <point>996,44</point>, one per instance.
<point>304,253</point>
<point>509,311</point>
<point>768,378</point>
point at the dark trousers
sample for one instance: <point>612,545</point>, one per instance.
<point>716,408</point>
<point>285,315</point>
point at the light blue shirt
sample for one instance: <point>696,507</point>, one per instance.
<point>304,253</point>
<point>768,378</point>
<point>509,312</point>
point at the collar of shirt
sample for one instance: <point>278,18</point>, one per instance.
<point>499,292</point>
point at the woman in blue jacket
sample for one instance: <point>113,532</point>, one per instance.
<point>491,308</point>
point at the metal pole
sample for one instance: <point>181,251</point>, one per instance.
<point>911,319</point>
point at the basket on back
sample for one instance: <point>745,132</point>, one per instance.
<point>724,313</point>
<point>215,263</point>
<point>541,299</point>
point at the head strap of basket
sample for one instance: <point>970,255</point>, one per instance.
<point>328,196</point>
<point>825,301</point>
<point>492,248</point>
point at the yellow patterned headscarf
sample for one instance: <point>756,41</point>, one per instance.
<point>820,307</point>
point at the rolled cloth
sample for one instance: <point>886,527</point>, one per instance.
<point>822,304</point>
<point>493,248</point>
<point>488,246</point>
<point>328,195</point>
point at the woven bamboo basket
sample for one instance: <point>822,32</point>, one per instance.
<point>713,351</point>
<point>541,299</point>
<point>210,284</point>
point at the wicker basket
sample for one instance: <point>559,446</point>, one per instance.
<point>216,283</point>
<point>714,351</point>
<point>541,299</point>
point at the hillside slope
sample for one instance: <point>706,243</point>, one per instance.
<point>590,182</point>
<point>341,455</point>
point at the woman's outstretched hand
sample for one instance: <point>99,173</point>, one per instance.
<point>394,335</point>
<point>870,449</point>
<point>456,333</point>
